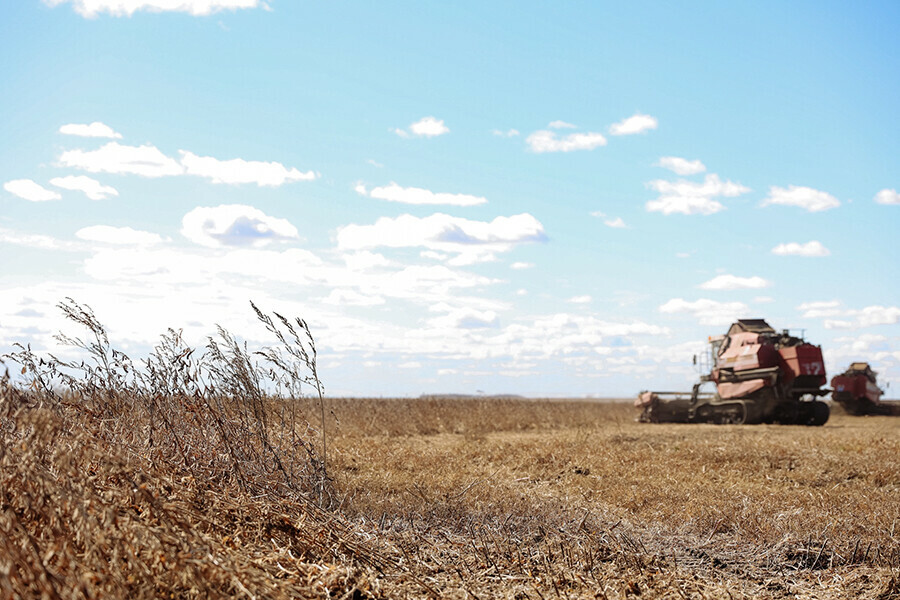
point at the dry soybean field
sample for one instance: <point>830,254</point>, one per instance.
<point>104,496</point>
<point>518,498</point>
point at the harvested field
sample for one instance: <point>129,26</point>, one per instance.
<point>186,477</point>
<point>519,498</point>
<point>464,498</point>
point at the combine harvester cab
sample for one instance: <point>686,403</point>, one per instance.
<point>760,376</point>
<point>857,391</point>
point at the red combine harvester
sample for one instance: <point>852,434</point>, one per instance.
<point>857,391</point>
<point>760,376</point>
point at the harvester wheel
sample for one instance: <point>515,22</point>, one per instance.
<point>734,414</point>
<point>821,412</point>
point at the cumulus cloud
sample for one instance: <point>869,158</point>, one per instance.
<point>803,197</point>
<point>93,130</point>
<point>585,299</point>
<point>149,161</point>
<point>561,125</point>
<point>508,133</point>
<point>424,127</point>
<point>472,241</point>
<point>733,282</point>
<point>347,297</point>
<point>35,240</point>
<point>691,198</point>
<point>871,316</point>
<point>564,334</point>
<point>813,249</point>
<point>146,160</point>
<point>234,225</point>
<point>465,318</point>
<point>238,170</point>
<point>126,8</point>
<point>519,266</point>
<point>636,123</point>
<point>837,317</point>
<point>414,195</point>
<point>707,312</point>
<point>887,196</point>
<point>91,188</point>
<point>820,309</point>
<point>857,345</point>
<point>681,166</point>
<point>616,223</point>
<point>119,236</point>
<point>545,140</point>
<point>29,190</point>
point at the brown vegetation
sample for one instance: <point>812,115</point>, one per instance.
<point>188,477</point>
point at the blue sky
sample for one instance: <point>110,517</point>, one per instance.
<point>557,199</point>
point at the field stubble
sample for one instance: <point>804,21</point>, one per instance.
<point>185,477</point>
<point>579,495</point>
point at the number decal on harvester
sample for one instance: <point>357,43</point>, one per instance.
<point>813,368</point>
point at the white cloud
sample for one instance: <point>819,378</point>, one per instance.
<point>465,318</point>
<point>887,196</point>
<point>146,160</point>
<point>817,310</point>
<point>424,127</point>
<point>707,312</point>
<point>691,198</point>
<point>364,260</point>
<point>474,241</point>
<point>29,190</point>
<point>521,265</point>
<point>414,195</point>
<point>681,166</point>
<point>120,236</point>
<point>374,163</point>
<point>234,225</point>
<point>585,299</point>
<point>804,197</point>
<point>345,297</point>
<point>126,8</point>
<point>149,161</point>
<point>238,170</point>
<point>733,282</point>
<point>858,345</point>
<point>94,130</point>
<point>561,125</point>
<point>636,123</point>
<point>508,133</point>
<point>35,240</point>
<point>548,141</point>
<point>91,188</point>
<point>813,248</point>
<point>616,223</point>
<point>870,316</point>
